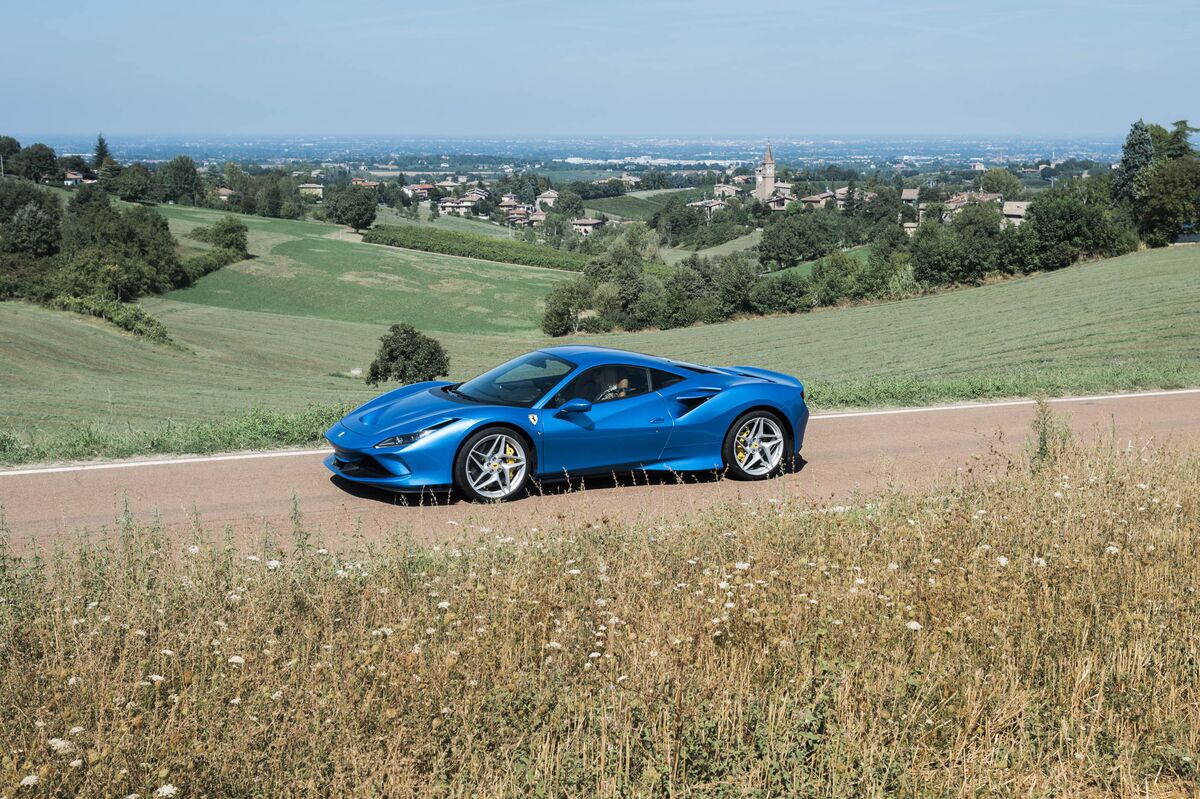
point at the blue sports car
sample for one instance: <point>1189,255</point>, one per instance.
<point>570,411</point>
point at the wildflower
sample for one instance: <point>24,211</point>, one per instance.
<point>1039,562</point>
<point>443,605</point>
<point>167,653</point>
<point>741,565</point>
<point>1003,561</point>
<point>252,558</point>
<point>75,730</point>
<point>273,564</point>
<point>554,645</point>
<point>914,626</point>
<point>593,655</point>
<point>1112,549</point>
<point>275,697</point>
<point>382,632</point>
<point>156,678</point>
<point>601,602</point>
<point>573,572</point>
<point>893,566</point>
<point>237,700</point>
<point>237,660</point>
<point>76,763</point>
<point>61,746</point>
<point>322,551</point>
<point>1058,495</point>
<point>194,550</point>
<point>166,790</point>
<point>29,781</point>
<point>859,581</point>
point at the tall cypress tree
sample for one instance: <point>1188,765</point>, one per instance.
<point>1136,155</point>
<point>102,153</point>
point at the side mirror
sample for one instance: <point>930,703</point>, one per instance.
<point>577,405</point>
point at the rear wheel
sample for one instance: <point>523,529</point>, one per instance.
<point>756,446</point>
<point>493,465</point>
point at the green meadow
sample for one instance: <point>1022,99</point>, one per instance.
<point>316,270</point>
<point>283,330</point>
<point>637,205</point>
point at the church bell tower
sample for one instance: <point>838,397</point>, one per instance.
<point>764,177</point>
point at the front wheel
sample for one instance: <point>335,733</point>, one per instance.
<point>755,447</point>
<point>492,466</point>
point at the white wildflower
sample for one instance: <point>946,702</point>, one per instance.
<point>29,781</point>
<point>273,564</point>
<point>554,645</point>
<point>741,565</point>
<point>893,566</point>
<point>194,550</point>
<point>76,763</point>
<point>156,678</point>
<point>75,730</point>
<point>237,700</point>
<point>167,653</point>
<point>166,790</point>
<point>61,746</point>
<point>1039,562</point>
<point>1112,549</point>
<point>913,625</point>
<point>252,558</point>
<point>1002,560</point>
<point>443,605</point>
<point>237,660</point>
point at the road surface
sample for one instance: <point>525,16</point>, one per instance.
<point>845,453</point>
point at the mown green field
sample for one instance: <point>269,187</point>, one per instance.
<point>388,216</point>
<point>1130,322</point>
<point>640,206</point>
<point>674,255</point>
<point>319,270</point>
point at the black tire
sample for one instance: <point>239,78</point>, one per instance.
<point>465,464</point>
<point>734,468</point>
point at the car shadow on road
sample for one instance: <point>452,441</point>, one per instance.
<point>547,488</point>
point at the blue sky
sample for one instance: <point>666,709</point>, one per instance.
<point>625,67</point>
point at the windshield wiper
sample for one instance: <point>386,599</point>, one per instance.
<point>454,390</point>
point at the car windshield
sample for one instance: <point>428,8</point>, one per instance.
<point>521,382</point>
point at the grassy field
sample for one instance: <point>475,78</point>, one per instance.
<point>388,216</point>
<point>1024,632</point>
<point>674,255</point>
<point>318,270</point>
<point>640,205</point>
<point>1121,324</point>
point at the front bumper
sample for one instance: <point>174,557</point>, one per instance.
<point>425,465</point>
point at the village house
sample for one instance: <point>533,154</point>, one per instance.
<point>73,179</point>
<point>537,218</point>
<point>708,206</point>
<point>223,194</point>
<point>419,191</point>
<point>457,206</point>
<point>817,200</point>
<point>585,227</point>
<point>780,202</point>
<point>312,189</point>
<point>364,183</point>
<point>1014,213</point>
<point>840,196</point>
<point>725,190</point>
<point>477,193</point>
<point>548,198</point>
<point>447,185</point>
<point>740,180</point>
<point>910,197</point>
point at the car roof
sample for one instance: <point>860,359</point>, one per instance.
<point>586,355</point>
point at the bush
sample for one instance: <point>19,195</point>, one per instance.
<point>408,356</point>
<point>469,245</point>
<point>126,316</point>
<point>229,233</point>
<point>203,263</point>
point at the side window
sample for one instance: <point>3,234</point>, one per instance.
<point>663,379</point>
<point>605,384</point>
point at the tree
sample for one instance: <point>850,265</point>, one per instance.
<point>1136,155</point>
<point>351,206</point>
<point>35,162</point>
<point>135,183</point>
<point>565,305</point>
<point>229,233</point>
<point>1172,200</point>
<point>102,155</point>
<point>9,147</point>
<point>1179,140</point>
<point>109,174</point>
<point>977,227</point>
<point>797,236</point>
<point>1001,181</point>
<point>569,204</point>
<point>407,355</point>
<point>934,254</point>
<point>33,230</point>
<point>180,180</point>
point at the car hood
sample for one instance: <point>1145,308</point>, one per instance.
<point>404,411</point>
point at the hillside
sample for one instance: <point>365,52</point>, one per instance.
<point>313,269</point>
<point>1124,323</point>
<point>637,205</point>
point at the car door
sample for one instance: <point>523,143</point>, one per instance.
<point>626,427</point>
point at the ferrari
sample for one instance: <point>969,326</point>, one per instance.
<point>572,411</point>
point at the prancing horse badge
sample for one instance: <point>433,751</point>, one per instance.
<point>533,418</point>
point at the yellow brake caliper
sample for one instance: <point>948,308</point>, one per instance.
<point>510,455</point>
<point>740,449</point>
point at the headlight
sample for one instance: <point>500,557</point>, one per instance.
<point>410,438</point>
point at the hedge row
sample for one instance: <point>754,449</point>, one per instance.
<point>469,245</point>
<point>124,315</point>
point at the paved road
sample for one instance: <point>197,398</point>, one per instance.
<point>844,452</point>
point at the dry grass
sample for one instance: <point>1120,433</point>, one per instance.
<point>764,651</point>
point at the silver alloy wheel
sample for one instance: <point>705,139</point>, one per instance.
<point>496,465</point>
<point>758,446</point>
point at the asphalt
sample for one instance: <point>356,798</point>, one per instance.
<point>846,454</point>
